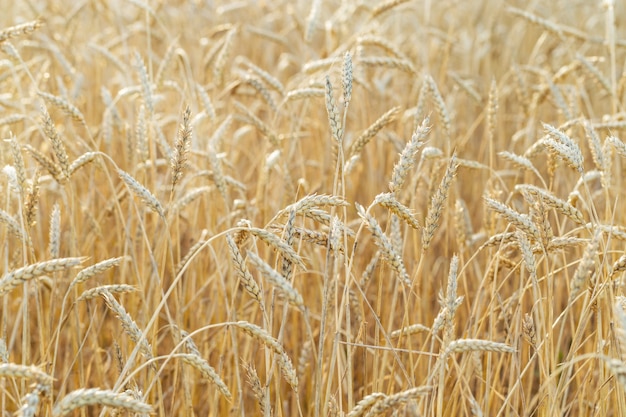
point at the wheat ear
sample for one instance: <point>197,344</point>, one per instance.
<point>94,396</point>
<point>386,248</point>
<point>12,279</point>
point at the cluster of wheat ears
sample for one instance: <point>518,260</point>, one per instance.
<point>312,208</point>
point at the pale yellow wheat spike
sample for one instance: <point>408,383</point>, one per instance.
<point>370,132</point>
<point>207,372</point>
<point>142,192</point>
<point>280,283</point>
<point>386,6</point>
<point>435,208</point>
<point>96,269</point>
<point>384,244</point>
<point>248,282</point>
<point>395,400</point>
<point>12,279</point>
<point>19,30</point>
<point>181,148</point>
<point>105,289</point>
<point>85,397</point>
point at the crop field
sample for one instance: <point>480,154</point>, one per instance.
<point>313,208</point>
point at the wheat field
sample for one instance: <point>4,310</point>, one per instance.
<point>312,208</point>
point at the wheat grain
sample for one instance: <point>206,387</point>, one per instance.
<point>12,279</point>
<point>387,62</point>
<point>365,403</point>
<point>248,282</point>
<point>129,325</point>
<point>96,269</point>
<point>223,55</point>
<point>85,397</point>
<point>435,207</point>
<point>471,345</point>
<point>312,20</point>
<point>585,266</point>
<point>440,105</point>
<point>57,145</point>
<point>142,192</point>
<point>81,161</point>
<point>550,200</point>
<point>357,146</point>
<point>259,392</point>
<point>304,93</point>
<point>398,399</point>
<point>104,290</point>
<point>565,147</point>
<point>389,201</point>
<point>207,372</point>
<point>346,78</point>
<point>407,157</point>
<point>13,370</point>
<point>47,163</point>
<point>276,279</point>
<point>31,201</point>
<point>409,330</point>
<point>386,6</point>
<point>146,86</point>
<point>333,113</point>
<point>61,103</point>
<point>181,148</point>
<point>19,30</point>
<point>385,246</point>
<point>521,221</point>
